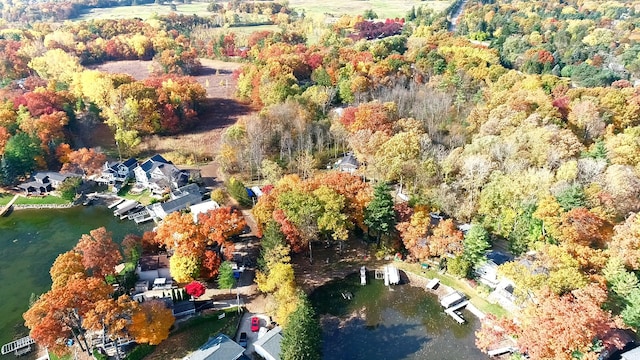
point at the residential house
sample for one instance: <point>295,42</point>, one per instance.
<point>218,348</point>
<point>347,163</point>
<point>181,198</point>
<point>268,346</point>
<point>44,182</point>
<point>631,354</point>
<point>487,273</point>
<point>160,175</point>
<point>152,267</point>
<point>117,172</point>
<point>183,308</point>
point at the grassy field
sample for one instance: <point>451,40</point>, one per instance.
<point>384,9</point>
<point>46,200</point>
<point>144,11</point>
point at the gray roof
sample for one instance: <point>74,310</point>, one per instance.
<point>154,160</point>
<point>631,354</point>
<point>181,202</point>
<point>53,175</point>
<point>349,160</point>
<point>270,343</point>
<point>218,348</point>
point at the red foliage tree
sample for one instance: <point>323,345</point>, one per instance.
<point>195,289</point>
<point>210,264</point>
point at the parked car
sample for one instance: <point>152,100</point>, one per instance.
<point>255,324</point>
<point>243,339</point>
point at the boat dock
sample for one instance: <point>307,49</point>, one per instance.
<point>6,208</point>
<point>18,347</point>
<point>391,275</point>
<point>363,275</point>
<point>501,351</point>
<point>115,203</point>
<point>453,312</point>
<point>141,216</point>
<point>125,207</point>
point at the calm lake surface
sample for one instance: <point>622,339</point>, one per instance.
<point>30,240</point>
<point>405,323</point>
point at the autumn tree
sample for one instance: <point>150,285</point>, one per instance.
<point>219,225</point>
<point>151,323</point>
<point>57,315</point>
<point>67,266</point>
<point>446,239</point>
<point>580,308</point>
<point>210,264</point>
<point>415,233</point>
<point>178,232</point>
<point>113,316</point>
<point>100,254</point>
<point>195,289</point>
<point>132,247</point>
<point>625,242</point>
<point>88,161</point>
<point>184,268</point>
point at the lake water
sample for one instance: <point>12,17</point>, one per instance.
<point>30,240</point>
<point>404,323</point>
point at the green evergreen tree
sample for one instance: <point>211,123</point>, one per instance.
<point>238,191</point>
<point>69,188</point>
<point>631,313</point>
<point>379,215</point>
<point>302,338</point>
<point>476,244</point>
<point>225,276</point>
<point>271,239</point>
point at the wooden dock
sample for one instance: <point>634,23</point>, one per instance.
<point>16,346</point>
<point>452,312</point>
<point>6,208</point>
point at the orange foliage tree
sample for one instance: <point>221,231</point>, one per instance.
<point>87,160</point>
<point>151,322</point>
<point>100,254</point>
<point>67,265</point>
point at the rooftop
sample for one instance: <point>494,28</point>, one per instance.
<point>218,348</point>
<point>153,262</point>
<point>270,343</point>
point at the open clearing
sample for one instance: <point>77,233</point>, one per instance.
<point>333,8</point>
<point>219,111</point>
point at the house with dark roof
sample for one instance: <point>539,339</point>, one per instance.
<point>347,163</point>
<point>268,346</point>
<point>218,348</point>
<point>117,172</point>
<point>152,267</point>
<point>181,198</point>
<point>44,182</point>
<point>160,175</point>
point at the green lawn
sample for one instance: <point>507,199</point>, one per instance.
<point>193,333</point>
<point>476,299</point>
<point>46,200</point>
<point>384,9</point>
<point>143,198</point>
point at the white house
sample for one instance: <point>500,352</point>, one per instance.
<point>268,346</point>
<point>159,175</point>
<point>117,171</point>
<point>202,208</point>
<point>347,163</point>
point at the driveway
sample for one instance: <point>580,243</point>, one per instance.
<point>245,326</point>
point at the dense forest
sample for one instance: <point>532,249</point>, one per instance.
<point>525,122</point>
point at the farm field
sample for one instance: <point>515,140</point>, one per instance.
<point>315,9</point>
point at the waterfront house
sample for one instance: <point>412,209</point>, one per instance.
<point>268,346</point>
<point>218,348</point>
<point>160,175</point>
<point>181,198</point>
<point>44,182</point>
<point>117,172</point>
<point>152,267</point>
